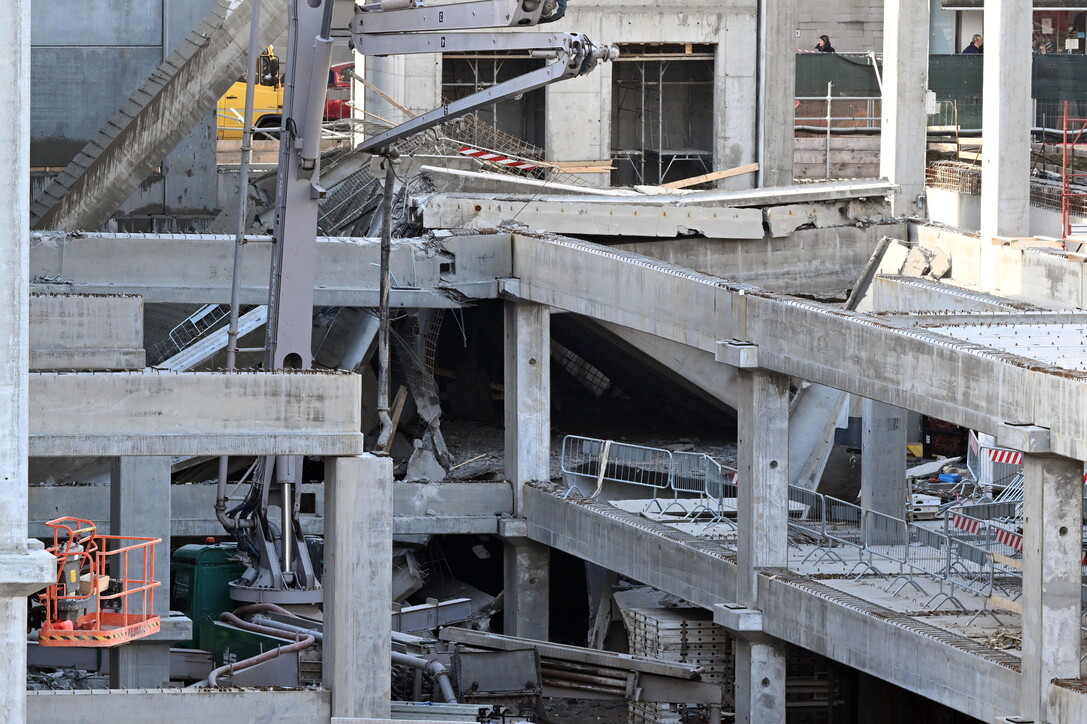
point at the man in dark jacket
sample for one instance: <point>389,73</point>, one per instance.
<point>975,46</point>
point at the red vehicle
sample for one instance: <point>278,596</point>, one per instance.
<point>338,100</point>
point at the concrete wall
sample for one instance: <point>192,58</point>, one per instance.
<point>963,211</point>
<point>87,59</point>
<point>854,26</point>
<point>578,111</point>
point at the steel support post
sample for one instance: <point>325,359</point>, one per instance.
<point>1052,525</point>
<point>528,394</point>
<point>358,585</point>
<point>139,505</point>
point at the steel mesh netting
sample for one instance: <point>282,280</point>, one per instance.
<point>954,176</point>
<point>965,178</point>
<point>357,195</point>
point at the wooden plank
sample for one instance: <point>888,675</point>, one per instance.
<point>1003,560</point>
<point>1005,604</point>
<point>715,176</point>
<point>398,407</point>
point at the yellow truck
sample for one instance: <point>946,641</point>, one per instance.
<point>267,100</point>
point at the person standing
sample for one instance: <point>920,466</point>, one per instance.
<point>976,45</point>
<point>824,46</point>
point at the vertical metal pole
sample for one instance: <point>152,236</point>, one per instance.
<point>1066,226</point>
<point>239,236</point>
<point>383,308</point>
<point>830,86</point>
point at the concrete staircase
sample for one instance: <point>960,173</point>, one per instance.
<point>183,89</point>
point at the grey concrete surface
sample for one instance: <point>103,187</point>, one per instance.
<point>883,461</point>
<point>419,509</point>
<point>905,651</point>
<point>180,706</point>
<point>866,357</point>
<point>525,595</point>
<point>1052,577</point>
<point>23,569</point>
<point>527,365</point>
<point>196,413</point>
<point>75,332</point>
<point>358,644</point>
<point>197,268</point>
<point>139,502</point>
<point>905,83</point>
<point>182,90</point>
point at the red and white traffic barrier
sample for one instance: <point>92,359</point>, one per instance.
<point>496,158</point>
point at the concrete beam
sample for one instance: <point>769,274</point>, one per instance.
<point>574,217</point>
<point>868,355</point>
<point>201,413</point>
<point>910,294</point>
<point>905,651</point>
<point>807,260</point>
<point>419,509</point>
<point>179,705</point>
<point>197,268</point>
<point>86,332</point>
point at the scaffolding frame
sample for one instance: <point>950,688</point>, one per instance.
<point>1077,127</point>
<point>651,154</point>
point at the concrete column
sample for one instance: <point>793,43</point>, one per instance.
<point>1006,117</point>
<point>734,97</point>
<point>883,460</point>
<point>763,482</point>
<point>905,81</point>
<point>139,505</point>
<point>525,597</point>
<point>1052,520</point>
<point>23,569</point>
<point>777,90</point>
<point>358,585</point>
<point>760,679</point>
<point>528,394</point>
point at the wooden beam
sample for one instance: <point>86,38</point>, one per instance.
<point>715,176</point>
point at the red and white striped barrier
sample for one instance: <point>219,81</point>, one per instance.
<point>1011,457</point>
<point>496,158</point>
<point>970,525</point>
<point>1010,539</point>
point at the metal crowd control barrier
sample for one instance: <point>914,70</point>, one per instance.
<point>592,461</point>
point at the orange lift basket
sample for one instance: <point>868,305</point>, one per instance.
<point>86,607</point>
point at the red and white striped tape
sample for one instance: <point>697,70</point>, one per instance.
<point>496,158</point>
<point>1011,457</point>
<point>1010,539</point>
<point>970,525</point>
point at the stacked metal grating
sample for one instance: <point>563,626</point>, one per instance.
<point>685,635</point>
